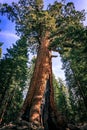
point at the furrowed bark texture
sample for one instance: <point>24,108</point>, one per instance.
<point>39,104</point>
<point>38,82</point>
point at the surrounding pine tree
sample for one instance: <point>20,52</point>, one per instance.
<point>62,98</point>
<point>75,64</point>
<point>13,74</point>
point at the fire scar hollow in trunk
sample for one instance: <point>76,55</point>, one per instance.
<point>39,107</point>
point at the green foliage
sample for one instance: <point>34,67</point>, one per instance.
<point>0,51</point>
<point>33,21</point>
<point>13,77</point>
<point>71,43</point>
<point>62,100</point>
<point>74,63</point>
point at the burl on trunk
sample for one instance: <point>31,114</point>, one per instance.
<point>39,107</point>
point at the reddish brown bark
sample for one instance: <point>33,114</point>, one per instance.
<point>38,82</point>
<point>41,76</point>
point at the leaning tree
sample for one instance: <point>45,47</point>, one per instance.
<point>42,27</point>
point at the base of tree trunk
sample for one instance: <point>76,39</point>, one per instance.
<point>24,125</point>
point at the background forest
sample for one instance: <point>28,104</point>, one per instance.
<point>71,44</point>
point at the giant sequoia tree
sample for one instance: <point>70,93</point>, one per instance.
<point>41,28</point>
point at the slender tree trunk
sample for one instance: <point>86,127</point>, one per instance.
<point>81,92</point>
<point>39,106</point>
<point>5,97</point>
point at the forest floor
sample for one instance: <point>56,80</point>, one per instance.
<point>26,126</point>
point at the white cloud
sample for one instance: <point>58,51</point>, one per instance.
<point>8,34</point>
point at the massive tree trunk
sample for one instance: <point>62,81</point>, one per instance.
<point>39,107</point>
<point>39,110</point>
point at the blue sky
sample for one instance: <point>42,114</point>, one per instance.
<point>8,35</point>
